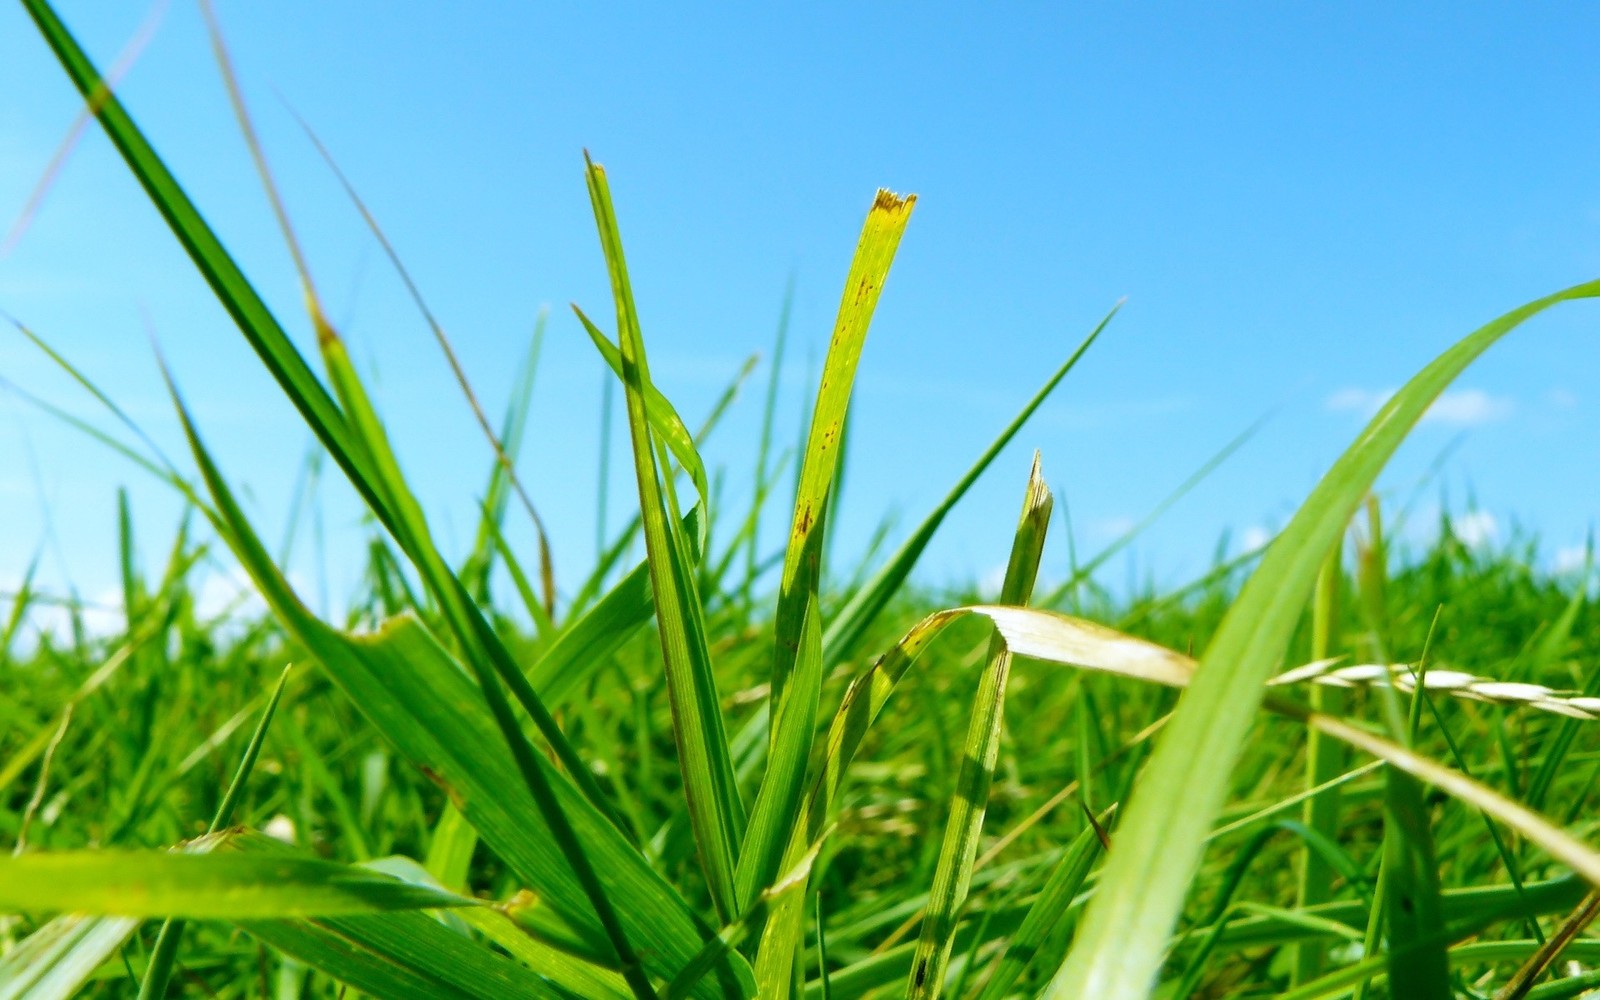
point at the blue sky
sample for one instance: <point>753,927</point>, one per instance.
<point>1302,205</point>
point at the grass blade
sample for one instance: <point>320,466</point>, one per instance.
<point>222,884</point>
<point>260,328</point>
<point>715,811</point>
<point>422,700</point>
<point>953,875</point>
<point>802,569</point>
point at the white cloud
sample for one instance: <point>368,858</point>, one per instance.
<point>1562,398</point>
<point>1460,407</point>
<point>1468,408</point>
<point>1109,529</point>
<point>1475,528</point>
<point>1571,559</point>
<point>1255,536</point>
<point>1362,401</point>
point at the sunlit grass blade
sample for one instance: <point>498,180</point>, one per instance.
<point>852,620</point>
<point>715,810</point>
<point>222,884</point>
<point>953,876</point>
<point>783,783</point>
<point>802,569</point>
<point>1148,877</point>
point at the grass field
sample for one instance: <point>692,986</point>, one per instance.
<point>673,779</point>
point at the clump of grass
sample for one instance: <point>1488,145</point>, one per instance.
<point>744,801</point>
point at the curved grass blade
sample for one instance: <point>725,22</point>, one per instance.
<point>1061,639</point>
<point>802,563</point>
<point>715,810</point>
<point>953,875</point>
<point>867,601</point>
<point>659,412</point>
<point>1171,811</point>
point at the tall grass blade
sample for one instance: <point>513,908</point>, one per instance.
<point>953,875</point>
<point>1147,878</point>
<point>1054,900</point>
<point>715,810</point>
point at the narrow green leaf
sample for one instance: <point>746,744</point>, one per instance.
<point>659,412</point>
<point>783,784</point>
<point>55,961</point>
<point>1051,905</point>
<point>260,328</point>
<point>159,970</point>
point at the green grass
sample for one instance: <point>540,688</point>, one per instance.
<point>681,783</point>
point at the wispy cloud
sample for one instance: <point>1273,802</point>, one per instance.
<point>1457,408</point>
<point>1571,559</point>
<point>1468,408</point>
<point>1254,537</point>
<point>1475,528</point>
